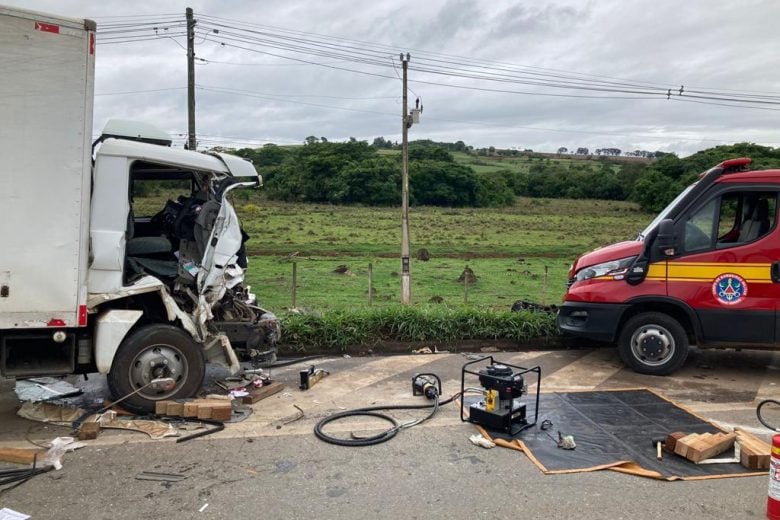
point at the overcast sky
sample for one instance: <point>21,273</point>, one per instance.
<point>729,46</point>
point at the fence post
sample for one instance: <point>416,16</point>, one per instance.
<point>544,288</point>
<point>466,284</point>
<point>370,283</point>
<point>294,282</point>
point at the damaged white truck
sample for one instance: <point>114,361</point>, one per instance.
<point>93,277</point>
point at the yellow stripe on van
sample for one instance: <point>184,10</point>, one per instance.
<point>707,271</point>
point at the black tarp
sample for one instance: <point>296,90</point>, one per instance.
<point>614,430</point>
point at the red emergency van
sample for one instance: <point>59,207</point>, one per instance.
<point>705,271</point>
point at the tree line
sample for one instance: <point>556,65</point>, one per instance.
<point>355,172</point>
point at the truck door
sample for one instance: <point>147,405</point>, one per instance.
<point>723,267</point>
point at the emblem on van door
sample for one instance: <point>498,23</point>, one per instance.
<point>729,288</point>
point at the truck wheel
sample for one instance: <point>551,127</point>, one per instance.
<point>151,352</point>
<point>653,343</point>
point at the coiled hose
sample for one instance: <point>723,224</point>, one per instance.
<point>761,418</point>
<point>373,411</point>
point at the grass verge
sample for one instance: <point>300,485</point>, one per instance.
<point>338,330</point>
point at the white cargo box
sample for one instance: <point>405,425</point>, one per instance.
<point>46,96</point>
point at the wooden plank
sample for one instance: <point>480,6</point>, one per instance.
<point>221,412</point>
<point>161,407</point>
<point>714,445</point>
<point>175,408</point>
<point>256,394</point>
<point>19,455</point>
<point>700,442</point>
<point>671,440</point>
<point>754,453</point>
<point>681,447</point>
<point>190,409</point>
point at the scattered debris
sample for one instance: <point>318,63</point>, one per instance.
<point>467,276</point>
<point>524,305</point>
<point>203,508</point>
<point>423,255</point>
<point>10,514</point>
<point>290,418</point>
<point>489,349</point>
<point>45,389</point>
<point>50,413</point>
<point>89,430</point>
<point>256,394</point>
<point>482,442</point>
<point>160,477</point>
<point>423,350</point>
<point>218,427</point>
<point>154,429</point>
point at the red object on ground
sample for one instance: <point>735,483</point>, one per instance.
<point>773,498</point>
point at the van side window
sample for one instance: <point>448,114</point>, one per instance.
<point>699,227</point>
<point>734,218</point>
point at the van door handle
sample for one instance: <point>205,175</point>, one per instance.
<point>775,272</point>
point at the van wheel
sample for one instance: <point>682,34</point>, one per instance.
<point>653,343</point>
<point>154,352</point>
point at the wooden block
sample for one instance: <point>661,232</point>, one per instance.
<point>681,448</point>
<point>89,431</point>
<point>696,444</point>
<point>671,440</point>
<point>175,408</point>
<point>161,407</point>
<point>221,412</point>
<point>19,455</point>
<point>190,409</point>
<point>753,452</point>
<point>256,394</point>
<point>712,446</point>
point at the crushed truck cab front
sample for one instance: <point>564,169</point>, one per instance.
<point>167,264</point>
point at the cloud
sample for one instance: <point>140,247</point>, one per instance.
<point>621,41</point>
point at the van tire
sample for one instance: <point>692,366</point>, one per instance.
<point>653,343</point>
<point>156,351</point>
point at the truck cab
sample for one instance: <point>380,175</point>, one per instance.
<point>123,255</point>
<point>706,271</point>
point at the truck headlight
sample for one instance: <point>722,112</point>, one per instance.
<point>614,268</point>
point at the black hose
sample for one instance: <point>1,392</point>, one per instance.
<point>373,411</point>
<point>761,419</point>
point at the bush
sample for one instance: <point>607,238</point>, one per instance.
<point>338,330</point>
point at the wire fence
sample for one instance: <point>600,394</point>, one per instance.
<point>327,283</point>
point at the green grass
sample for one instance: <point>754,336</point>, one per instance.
<point>551,228</point>
<point>500,281</point>
<point>339,330</point>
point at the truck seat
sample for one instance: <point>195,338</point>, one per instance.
<point>152,255</point>
<point>757,224</point>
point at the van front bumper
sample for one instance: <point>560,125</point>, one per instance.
<point>598,321</point>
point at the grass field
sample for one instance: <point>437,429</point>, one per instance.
<point>508,249</point>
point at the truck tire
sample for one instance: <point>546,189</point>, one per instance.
<point>156,351</point>
<point>653,343</point>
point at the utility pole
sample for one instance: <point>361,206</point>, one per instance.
<point>406,274</point>
<point>191,142</point>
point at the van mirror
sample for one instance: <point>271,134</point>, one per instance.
<point>666,239</point>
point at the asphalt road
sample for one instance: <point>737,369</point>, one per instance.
<point>266,467</point>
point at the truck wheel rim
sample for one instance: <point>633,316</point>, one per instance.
<point>652,345</point>
<point>158,361</point>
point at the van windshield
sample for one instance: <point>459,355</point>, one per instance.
<point>664,212</point>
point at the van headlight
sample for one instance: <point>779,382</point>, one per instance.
<point>615,268</point>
